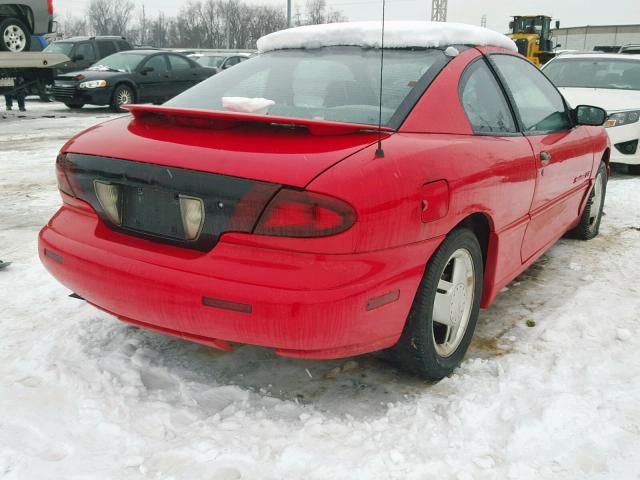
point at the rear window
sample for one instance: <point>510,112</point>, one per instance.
<point>616,74</point>
<point>332,83</point>
<point>60,47</point>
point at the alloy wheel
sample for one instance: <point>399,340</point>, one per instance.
<point>598,197</point>
<point>14,38</point>
<point>453,303</point>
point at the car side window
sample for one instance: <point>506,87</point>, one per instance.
<point>106,48</point>
<point>122,45</point>
<point>483,101</point>
<point>179,63</point>
<point>158,63</point>
<point>86,50</point>
<point>231,61</point>
<point>539,105</point>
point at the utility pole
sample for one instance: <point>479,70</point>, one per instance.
<point>483,22</point>
<point>439,11</point>
<point>289,13</point>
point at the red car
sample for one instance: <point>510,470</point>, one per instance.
<point>282,203</point>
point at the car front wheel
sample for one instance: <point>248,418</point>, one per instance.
<point>123,95</point>
<point>589,226</point>
<point>443,317</point>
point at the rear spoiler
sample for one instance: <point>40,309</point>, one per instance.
<point>218,120</point>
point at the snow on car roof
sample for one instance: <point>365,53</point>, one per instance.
<point>397,34</point>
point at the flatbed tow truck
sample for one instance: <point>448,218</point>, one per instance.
<point>29,72</point>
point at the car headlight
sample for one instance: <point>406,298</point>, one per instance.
<point>94,84</point>
<point>622,118</point>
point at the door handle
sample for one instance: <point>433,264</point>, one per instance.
<point>545,158</point>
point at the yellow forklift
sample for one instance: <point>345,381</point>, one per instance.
<point>532,35</point>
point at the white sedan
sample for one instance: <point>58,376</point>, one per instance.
<point>611,82</point>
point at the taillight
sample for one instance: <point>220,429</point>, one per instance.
<point>63,170</point>
<point>50,7</point>
<point>294,213</point>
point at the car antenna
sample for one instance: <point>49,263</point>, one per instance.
<point>380,151</point>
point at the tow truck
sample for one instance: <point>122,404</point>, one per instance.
<point>28,72</point>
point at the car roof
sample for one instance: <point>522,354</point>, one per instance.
<point>397,34</point>
<point>610,56</point>
<point>85,38</point>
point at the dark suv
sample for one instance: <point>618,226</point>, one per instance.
<point>85,51</point>
<point>19,20</point>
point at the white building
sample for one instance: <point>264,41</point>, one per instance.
<point>589,37</point>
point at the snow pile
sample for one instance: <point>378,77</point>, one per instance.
<point>396,35</point>
<point>258,106</point>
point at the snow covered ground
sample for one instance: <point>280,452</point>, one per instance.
<point>83,396</point>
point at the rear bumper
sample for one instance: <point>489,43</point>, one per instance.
<point>301,304</point>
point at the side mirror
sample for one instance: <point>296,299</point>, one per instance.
<point>147,70</point>
<point>591,116</point>
<point>55,26</point>
<point>557,24</point>
<point>77,58</point>
<point>511,25</point>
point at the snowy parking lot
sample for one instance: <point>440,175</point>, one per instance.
<point>549,389</point>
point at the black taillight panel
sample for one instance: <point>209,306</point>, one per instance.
<point>149,198</point>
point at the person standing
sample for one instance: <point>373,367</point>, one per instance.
<point>18,95</point>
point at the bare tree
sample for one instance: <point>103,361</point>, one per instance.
<point>109,17</point>
<point>316,11</point>
<point>198,24</point>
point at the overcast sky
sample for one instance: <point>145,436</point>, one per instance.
<point>571,13</point>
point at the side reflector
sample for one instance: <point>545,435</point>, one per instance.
<point>383,300</point>
<point>53,256</point>
<point>192,212</point>
<point>109,197</point>
<point>226,305</point>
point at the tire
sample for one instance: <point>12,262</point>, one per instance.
<point>74,106</point>
<point>15,36</point>
<point>633,169</point>
<point>589,226</point>
<point>121,93</point>
<point>423,348</point>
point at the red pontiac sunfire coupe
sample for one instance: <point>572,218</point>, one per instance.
<point>281,203</point>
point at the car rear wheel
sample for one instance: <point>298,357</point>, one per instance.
<point>14,36</point>
<point>445,311</point>
<point>123,95</point>
<point>74,106</point>
<point>589,225</point>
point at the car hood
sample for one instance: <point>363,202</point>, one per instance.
<point>271,153</point>
<point>609,99</point>
<point>91,75</point>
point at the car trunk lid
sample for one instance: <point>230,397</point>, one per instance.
<point>270,149</point>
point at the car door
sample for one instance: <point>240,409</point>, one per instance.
<point>509,163</point>
<point>184,74</point>
<point>563,152</point>
<point>154,79</point>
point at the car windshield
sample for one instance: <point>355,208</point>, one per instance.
<point>339,84</point>
<point>210,61</point>
<point>618,74</point>
<point>60,47</point>
<point>120,62</point>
